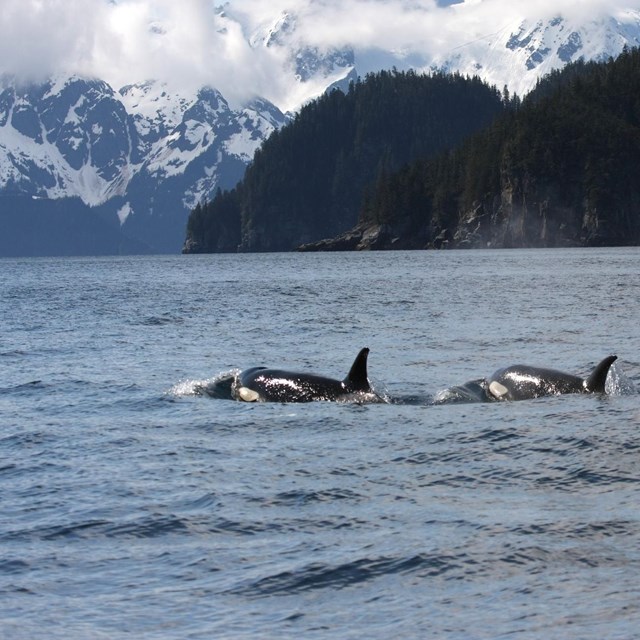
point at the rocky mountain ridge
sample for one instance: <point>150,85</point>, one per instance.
<point>145,154</point>
<point>520,53</point>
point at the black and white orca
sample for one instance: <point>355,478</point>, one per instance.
<point>522,382</point>
<point>261,384</point>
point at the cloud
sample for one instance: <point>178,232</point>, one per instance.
<point>191,43</point>
<point>40,37</point>
<point>185,43</point>
<point>423,24</point>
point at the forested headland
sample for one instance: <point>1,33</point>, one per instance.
<point>411,161</point>
<point>307,180</point>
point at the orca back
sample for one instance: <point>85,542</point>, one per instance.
<point>520,382</point>
<point>277,385</point>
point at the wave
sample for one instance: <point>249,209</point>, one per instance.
<point>33,385</point>
<point>13,567</point>
<point>299,498</point>
<point>159,321</point>
<point>323,576</point>
<point>618,382</point>
<point>14,353</point>
<point>146,527</point>
<point>220,386</point>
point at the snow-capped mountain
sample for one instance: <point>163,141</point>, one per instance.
<point>64,138</point>
<point>525,50</point>
<point>475,37</point>
<point>304,70</point>
<point>148,154</point>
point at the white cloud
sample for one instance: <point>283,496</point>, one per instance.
<point>422,24</point>
<point>38,37</point>
<point>188,43</point>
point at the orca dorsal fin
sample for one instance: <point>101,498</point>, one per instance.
<point>595,382</point>
<point>357,379</point>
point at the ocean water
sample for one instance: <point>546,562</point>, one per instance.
<point>134,504</point>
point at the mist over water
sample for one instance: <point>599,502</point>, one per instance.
<point>134,502</point>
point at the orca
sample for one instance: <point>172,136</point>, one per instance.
<point>261,384</point>
<point>472,391</point>
<point>522,382</point>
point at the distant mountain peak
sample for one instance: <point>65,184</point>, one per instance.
<point>151,150</point>
<point>520,54</point>
<point>283,28</point>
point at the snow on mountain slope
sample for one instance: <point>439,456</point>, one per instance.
<point>155,109</point>
<point>207,146</point>
<point>306,70</point>
<point>65,137</point>
<point>149,150</point>
<point>523,51</point>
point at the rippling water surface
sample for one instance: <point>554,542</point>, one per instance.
<point>133,504</point>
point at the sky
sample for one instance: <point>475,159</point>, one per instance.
<point>187,43</point>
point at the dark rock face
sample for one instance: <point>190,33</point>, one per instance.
<point>373,237</point>
<point>513,219</point>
